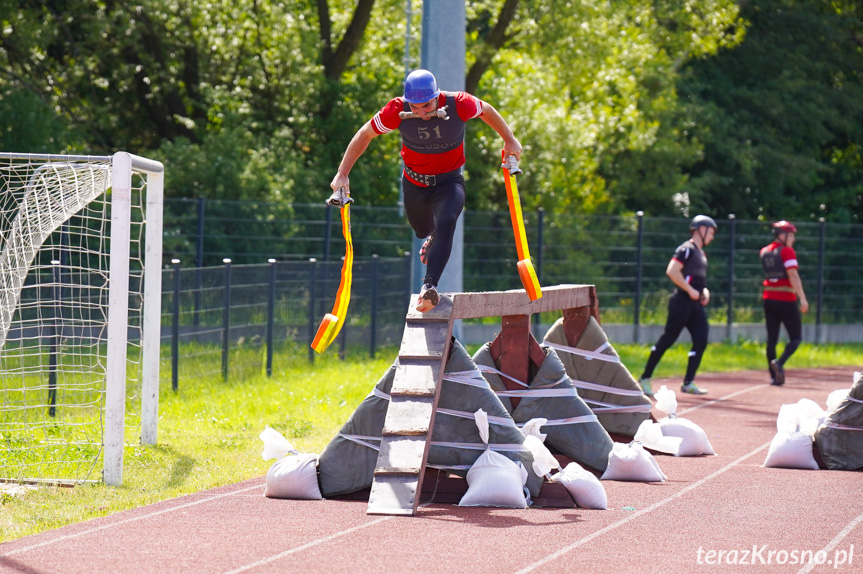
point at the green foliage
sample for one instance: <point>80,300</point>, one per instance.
<point>780,116</point>
<point>664,106</point>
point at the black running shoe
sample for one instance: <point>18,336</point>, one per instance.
<point>778,373</point>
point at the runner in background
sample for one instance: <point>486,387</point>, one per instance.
<point>782,290</point>
<point>688,271</point>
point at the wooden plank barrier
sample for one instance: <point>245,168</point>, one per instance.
<point>423,354</point>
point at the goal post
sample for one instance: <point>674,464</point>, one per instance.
<point>123,166</point>
<point>80,298</point>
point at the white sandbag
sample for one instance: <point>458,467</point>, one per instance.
<point>791,450</point>
<point>583,486</point>
<point>543,461</point>
<point>666,400</point>
<point>293,475</point>
<point>649,434</point>
<point>694,440</point>
<point>494,480</point>
<point>632,463</point>
<point>835,398</point>
<point>805,415</point>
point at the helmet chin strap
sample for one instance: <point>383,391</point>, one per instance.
<point>782,238</point>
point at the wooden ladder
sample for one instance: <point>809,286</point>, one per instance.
<point>416,387</point>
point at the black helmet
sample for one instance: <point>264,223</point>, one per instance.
<point>702,221</point>
<point>783,227</point>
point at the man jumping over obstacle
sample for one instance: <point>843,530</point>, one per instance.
<point>782,290</point>
<point>431,124</point>
<point>688,271</point>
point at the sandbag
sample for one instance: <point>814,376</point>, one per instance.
<point>493,479</point>
<point>293,475</point>
<point>453,427</point>
<point>649,434</point>
<point>630,462</point>
<point>840,438</point>
<point>347,465</point>
<point>583,486</point>
<point>694,440</point>
<point>572,428</point>
<point>618,414</point>
<point>791,450</point>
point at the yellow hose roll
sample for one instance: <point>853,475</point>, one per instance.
<point>332,323</point>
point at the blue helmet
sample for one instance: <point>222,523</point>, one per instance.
<point>420,87</point>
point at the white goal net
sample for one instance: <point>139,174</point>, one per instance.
<point>79,317</point>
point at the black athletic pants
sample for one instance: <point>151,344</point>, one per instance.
<point>435,210</point>
<point>777,313</point>
<point>682,312</point>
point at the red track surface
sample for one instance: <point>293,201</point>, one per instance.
<point>726,503</point>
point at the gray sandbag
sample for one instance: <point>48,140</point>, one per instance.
<point>345,465</point>
<point>602,372</point>
<point>840,438</point>
<point>449,428</point>
<point>587,443</point>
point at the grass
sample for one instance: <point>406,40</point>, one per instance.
<point>208,430</point>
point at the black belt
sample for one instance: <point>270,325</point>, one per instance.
<point>430,180</point>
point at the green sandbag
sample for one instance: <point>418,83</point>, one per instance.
<point>610,374</point>
<point>447,428</point>
<point>346,466</point>
<point>840,438</point>
<point>587,443</point>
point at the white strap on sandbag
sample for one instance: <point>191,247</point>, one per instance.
<point>362,440</point>
<point>502,447</point>
<point>589,355</point>
<point>380,394</point>
<point>606,389</point>
<point>489,369</point>
<point>501,421</point>
<point>471,378</point>
<point>499,447</point>
<point>571,421</point>
<point>535,393</point>
<point>604,408</point>
<point>850,398</point>
<point>837,426</point>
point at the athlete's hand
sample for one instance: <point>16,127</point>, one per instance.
<point>804,305</point>
<point>341,180</point>
<point>705,296</point>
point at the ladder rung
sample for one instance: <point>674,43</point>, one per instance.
<point>405,432</point>
<point>382,471</point>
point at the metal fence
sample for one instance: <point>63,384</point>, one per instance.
<point>247,307</point>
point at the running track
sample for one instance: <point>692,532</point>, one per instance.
<point>726,503</point>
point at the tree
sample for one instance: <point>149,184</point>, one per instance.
<point>780,116</point>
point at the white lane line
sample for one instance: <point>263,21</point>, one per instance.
<point>833,543</point>
<point>127,521</point>
<point>723,398</point>
<point>305,546</point>
<point>640,513</point>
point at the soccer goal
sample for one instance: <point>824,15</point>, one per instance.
<point>80,295</point>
